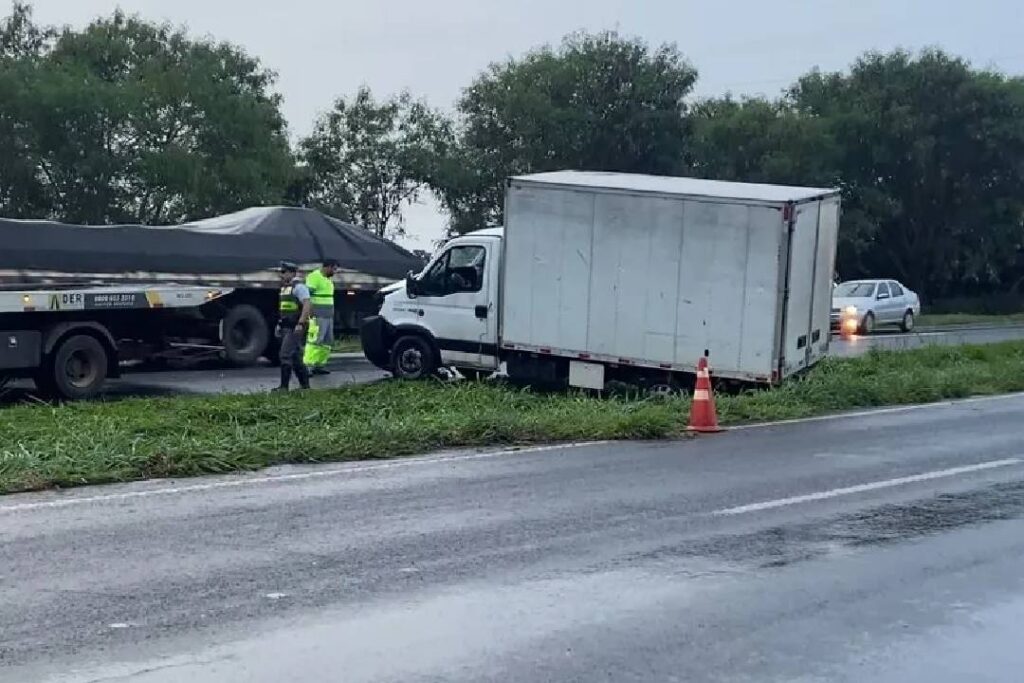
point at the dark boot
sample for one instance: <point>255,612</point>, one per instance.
<point>303,374</point>
<point>286,377</point>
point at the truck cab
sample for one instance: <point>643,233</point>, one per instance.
<point>444,316</point>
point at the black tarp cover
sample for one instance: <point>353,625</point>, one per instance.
<point>248,241</point>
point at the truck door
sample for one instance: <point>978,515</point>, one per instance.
<point>803,330</point>
<point>457,306</point>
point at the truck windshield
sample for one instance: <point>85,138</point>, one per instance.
<point>855,290</point>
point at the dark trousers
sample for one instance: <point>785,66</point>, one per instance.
<point>293,344</point>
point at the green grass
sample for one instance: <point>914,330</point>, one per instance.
<point>73,444</point>
<point>954,319</point>
<point>347,345</point>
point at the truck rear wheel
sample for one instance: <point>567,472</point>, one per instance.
<point>75,370</point>
<point>245,335</point>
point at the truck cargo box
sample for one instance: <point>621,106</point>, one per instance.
<point>656,271</point>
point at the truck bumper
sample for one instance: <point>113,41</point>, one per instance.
<point>376,336</point>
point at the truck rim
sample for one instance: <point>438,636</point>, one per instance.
<point>411,361</point>
<point>81,369</point>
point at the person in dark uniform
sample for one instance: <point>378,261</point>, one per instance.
<point>295,306</point>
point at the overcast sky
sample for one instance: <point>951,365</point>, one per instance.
<point>325,48</point>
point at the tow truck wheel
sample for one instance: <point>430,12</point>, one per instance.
<point>412,358</point>
<point>246,333</point>
<point>75,370</point>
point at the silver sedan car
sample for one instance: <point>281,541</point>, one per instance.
<point>863,305</point>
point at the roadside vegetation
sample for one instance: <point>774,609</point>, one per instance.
<point>84,443</point>
<point>347,345</point>
<point>957,319</point>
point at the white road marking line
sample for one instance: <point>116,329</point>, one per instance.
<point>876,411</point>
<point>275,478</point>
<point>862,488</point>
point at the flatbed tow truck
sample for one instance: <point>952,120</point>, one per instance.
<point>69,339</point>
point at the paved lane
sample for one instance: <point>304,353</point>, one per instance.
<point>884,547</point>
<point>348,370</point>
<point>218,379</point>
<point>847,348</point>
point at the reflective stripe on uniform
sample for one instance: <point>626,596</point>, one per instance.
<point>288,305</point>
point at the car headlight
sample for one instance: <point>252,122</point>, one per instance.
<point>850,310</point>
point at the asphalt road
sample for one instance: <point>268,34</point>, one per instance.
<point>883,547</point>
<point>215,378</point>
<point>956,336</point>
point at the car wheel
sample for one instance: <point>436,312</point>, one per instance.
<point>867,326</point>
<point>413,358</point>
<point>908,322</point>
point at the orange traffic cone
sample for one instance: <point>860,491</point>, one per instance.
<point>703,417</point>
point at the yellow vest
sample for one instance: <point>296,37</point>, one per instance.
<point>321,293</point>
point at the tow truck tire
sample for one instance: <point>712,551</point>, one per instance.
<point>75,370</point>
<point>246,333</point>
<point>413,358</point>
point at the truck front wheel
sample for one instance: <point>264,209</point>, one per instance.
<point>413,358</point>
<point>75,370</point>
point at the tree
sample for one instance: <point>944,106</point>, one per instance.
<point>20,36</point>
<point>128,121</point>
<point>756,140</point>
<point>366,159</point>
<point>22,43</point>
<point>597,102</point>
<point>931,155</point>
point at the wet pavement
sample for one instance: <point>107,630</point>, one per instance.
<point>955,336</point>
<point>876,548</point>
<point>211,378</point>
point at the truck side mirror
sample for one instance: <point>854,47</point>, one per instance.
<point>411,285</point>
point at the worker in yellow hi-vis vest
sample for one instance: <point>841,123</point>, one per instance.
<point>321,325</point>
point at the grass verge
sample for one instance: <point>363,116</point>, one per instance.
<point>347,345</point>
<point>85,443</point>
<point>955,319</point>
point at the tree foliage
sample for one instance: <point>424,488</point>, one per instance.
<point>596,102</point>
<point>129,121</point>
<point>931,155</point>
<point>928,151</point>
<point>126,120</point>
<point>366,159</point>
<point>760,141</point>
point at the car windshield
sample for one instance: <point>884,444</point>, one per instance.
<point>855,290</point>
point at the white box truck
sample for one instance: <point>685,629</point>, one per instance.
<point>598,277</point>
